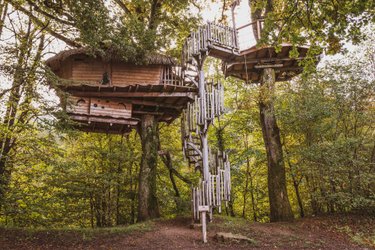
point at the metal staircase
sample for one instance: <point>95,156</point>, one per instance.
<point>214,186</point>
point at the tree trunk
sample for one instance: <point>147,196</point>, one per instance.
<point>296,182</point>
<point>246,187</point>
<point>147,201</point>
<point>3,14</point>
<point>255,218</point>
<point>280,209</point>
<point>10,117</point>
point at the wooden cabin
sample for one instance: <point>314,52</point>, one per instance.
<point>110,95</point>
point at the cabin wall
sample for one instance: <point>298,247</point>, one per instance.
<point>78,105</point>
<point>65,71</point>
<point>103,107</point>
<point>90,71</point>
<point>126,74</point>
<point>99,107</point>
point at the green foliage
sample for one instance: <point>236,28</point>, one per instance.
<point>327,24</point>
<point>71,179</point>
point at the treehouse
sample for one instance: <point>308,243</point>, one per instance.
<point>241,53</point>
<point>253,58</point>
<point>107,94</point>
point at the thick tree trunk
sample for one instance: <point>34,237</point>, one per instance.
<point>147,201</point>
<point>280,209</point>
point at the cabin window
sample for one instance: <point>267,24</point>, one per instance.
<point>105,79</point>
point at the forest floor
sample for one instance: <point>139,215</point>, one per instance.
<point>328,232</point>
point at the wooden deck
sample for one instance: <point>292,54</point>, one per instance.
<point>249,63</point>
<point>165,102</point>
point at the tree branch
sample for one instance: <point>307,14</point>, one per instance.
<point>166,158</point>
<point>123,6</point>
<point>39,10</point>
<point>48,29</point>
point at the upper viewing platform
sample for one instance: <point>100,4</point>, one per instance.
<point>239,49</point>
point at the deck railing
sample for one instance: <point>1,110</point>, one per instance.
<point>249,34</point>
<point>209,35</point>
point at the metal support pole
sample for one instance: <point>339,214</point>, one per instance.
<point>203,130</point>
<point>204,226</point>
<point>203,135</point>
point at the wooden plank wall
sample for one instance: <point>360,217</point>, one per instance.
<point>99,107</point>
<point>102,107</point>
<point>78,105</point>
<point>91,70</point>
<point>126,74</point>
<point>88,70</point>
<point>65,71</point>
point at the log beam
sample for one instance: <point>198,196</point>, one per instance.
<point>133,94</point>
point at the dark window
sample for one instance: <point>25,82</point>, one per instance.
<point>105,79</point>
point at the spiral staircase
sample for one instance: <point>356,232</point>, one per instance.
<point>214,186</point>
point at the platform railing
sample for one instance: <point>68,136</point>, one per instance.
<point>249,34</point>
<point>209,35</point>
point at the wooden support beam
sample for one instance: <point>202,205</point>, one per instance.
<point>139,112</point>
<point>264,60</point>
<point>133,94</point>
<point>263,66</point>
<point>89,119</point>
<point>156,104</point>
<point>250,71</point>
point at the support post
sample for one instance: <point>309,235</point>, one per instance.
<point>203,135</point>
<point>204,226</point>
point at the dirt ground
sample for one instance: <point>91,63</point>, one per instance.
<point>331,232</point>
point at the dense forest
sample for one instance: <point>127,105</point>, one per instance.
<point>54,176</point>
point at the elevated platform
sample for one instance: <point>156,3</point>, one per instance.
<point>249,63</point>
<point>108,125</point>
